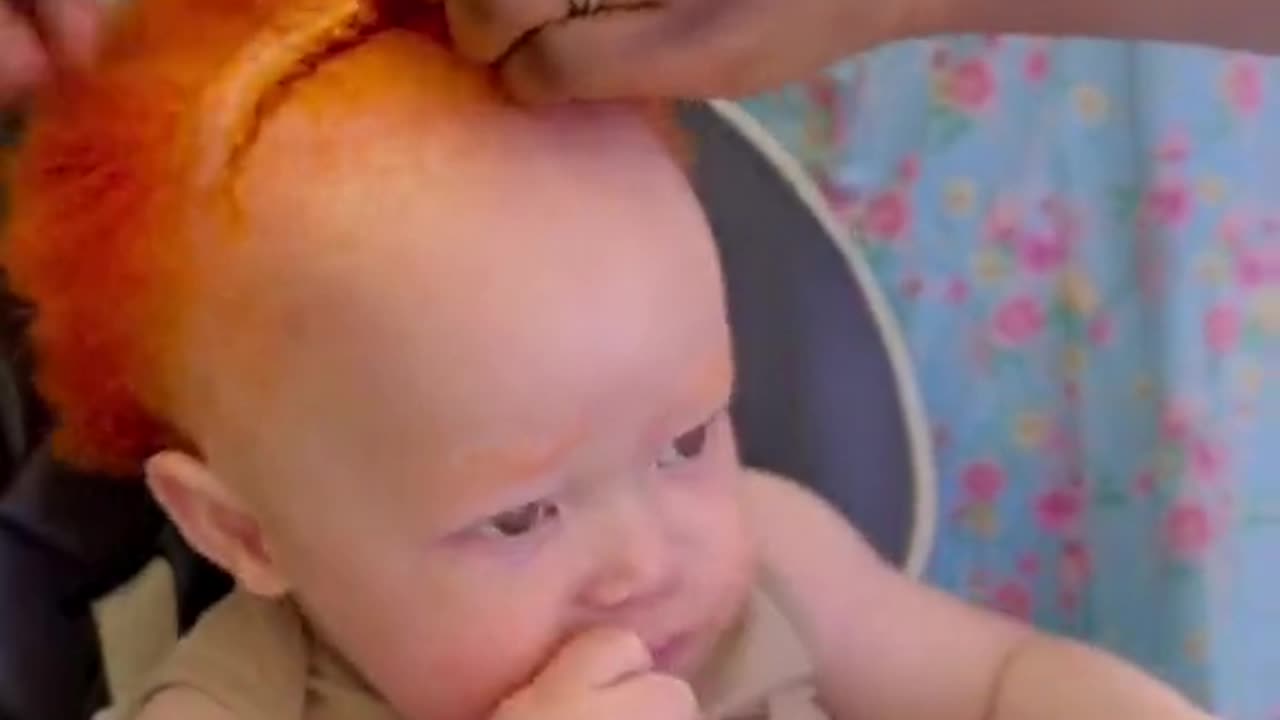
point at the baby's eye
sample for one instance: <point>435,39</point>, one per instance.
<point>685,448</point>
<point>522,520</point>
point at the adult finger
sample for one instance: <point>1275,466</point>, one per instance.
<point>485,30</point>
<point>640,52</point>
<point>72,28</point>
<point>22,59</point>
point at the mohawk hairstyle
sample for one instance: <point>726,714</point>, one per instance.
<point>112,158</point>
<point>116,157</point>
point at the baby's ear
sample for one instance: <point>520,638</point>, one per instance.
<point>214,521</point>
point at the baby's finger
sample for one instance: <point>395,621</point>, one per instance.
<point>22,59</point>
<point>654,696</point>
<point>72,28</point>
<point>597,659</point>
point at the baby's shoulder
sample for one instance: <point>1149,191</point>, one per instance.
<point>246,659</point>
<point>800,538</point>
<point>782,510</point>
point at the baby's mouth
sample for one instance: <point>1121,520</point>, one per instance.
<point>672,655</point>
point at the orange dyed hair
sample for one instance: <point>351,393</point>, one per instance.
<point>113,157</point>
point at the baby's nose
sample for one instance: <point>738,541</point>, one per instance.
<point>635,566</point>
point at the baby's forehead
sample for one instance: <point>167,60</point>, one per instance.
<point>395,147</point>
<point>398,135</point>
<point>397,102</point>
<point>394,206</point>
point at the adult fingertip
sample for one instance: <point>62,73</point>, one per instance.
<point>467,41</point>
<point>23,66</point>
<point>526,80</point>
<point>610,56</point>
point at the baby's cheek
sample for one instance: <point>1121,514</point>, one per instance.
<point>732,556</point>
<point>478,653</point>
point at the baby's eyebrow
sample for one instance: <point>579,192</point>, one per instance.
<point>718,381</point>
<point>484,480</point>
<point>525,459</point>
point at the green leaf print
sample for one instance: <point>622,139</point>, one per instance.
<point>946,126</point>
<point>1261,518</point>
<point>1254,338</point>
<point>878,255</point>
<point>1009,362</point>
<point>1111,498</point>
<point>1126,202</point>
<point>1064,320</point>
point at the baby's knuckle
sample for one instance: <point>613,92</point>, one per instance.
<point>617,643</point>
<point>675,698</point>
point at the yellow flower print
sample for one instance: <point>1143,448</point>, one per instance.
<point>1092,104</point>
<point>1144,388</point>
<point>1074,359</point>
<point>960,195</point>
<point>1212,189</point>
<point>1250,376</point>
<point>1079,293</point>
<point>1214,269</point>
<point>989,265</point>
<point>938,88</point>
<point>981,519</point>
<point>1168,463</point>
<point>1196,647</point>
<point>1030,430</point>
<point>1266,308</point>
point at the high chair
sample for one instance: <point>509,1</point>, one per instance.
<point>95,587</point>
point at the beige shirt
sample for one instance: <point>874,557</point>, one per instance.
<point>258,659</point>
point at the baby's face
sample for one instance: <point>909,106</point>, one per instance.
<point>468,371</point>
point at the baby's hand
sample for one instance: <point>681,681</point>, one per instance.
<point>602,674</point>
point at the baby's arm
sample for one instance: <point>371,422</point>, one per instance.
<point>889,648</point>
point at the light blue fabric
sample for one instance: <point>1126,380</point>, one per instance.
<point>1082,240</point>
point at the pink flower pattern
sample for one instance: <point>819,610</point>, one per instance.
<point>971,85</point>
<point>888,217</point>
<point>1094,323</point>
<point>1168,203</point>
<point>1245,85</point>
<point>984,480</point>
<point>1222,329</point>
<point>1017,321</point>
<point>1188,531</point>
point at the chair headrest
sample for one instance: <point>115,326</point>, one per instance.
<point>824,393</point>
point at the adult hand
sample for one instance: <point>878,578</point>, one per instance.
<point>37,35</point>
<point>595,49</point>
<point>601,674</point>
